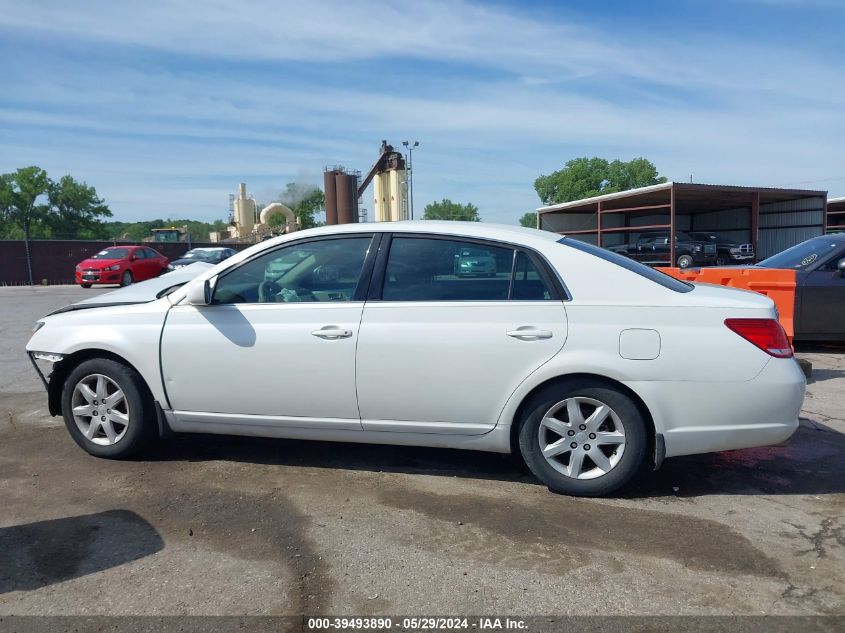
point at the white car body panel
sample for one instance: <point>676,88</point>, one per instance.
<point>436,374</point>
<point>262,359</point>
<point>449,350</point>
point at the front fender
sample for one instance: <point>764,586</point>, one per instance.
<point>130,332</point>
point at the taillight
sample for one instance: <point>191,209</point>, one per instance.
<point>767,334</point>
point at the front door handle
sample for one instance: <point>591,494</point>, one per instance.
<point>331,333</point>
<point>526,333</point>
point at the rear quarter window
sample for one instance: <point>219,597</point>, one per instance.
<point>642,270</point>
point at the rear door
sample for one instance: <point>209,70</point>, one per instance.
<point>442,352</point>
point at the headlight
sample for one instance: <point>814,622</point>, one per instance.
<point>38,325</point>
<point>115,267</point>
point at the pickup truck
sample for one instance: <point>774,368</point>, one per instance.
<point>653,249</point>
<point>728,251</point>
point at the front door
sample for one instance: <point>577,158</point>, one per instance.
<point>277,344</point>
<point>822,307</point>
<point>445,345</point>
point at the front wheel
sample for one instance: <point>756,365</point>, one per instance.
<point>685,261</point>
<point>105,409</point>
<point>583,439</point>
<point>126,279</point>
<point>85,285</point>
<point>722,260</point>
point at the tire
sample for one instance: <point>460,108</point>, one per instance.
<point>722,260</point>
<point>685,261</point>
<point>130,420</point>
<point>126,279</point>
<point>85,285</point>
<point>546,423</point>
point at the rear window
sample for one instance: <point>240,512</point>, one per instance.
<point>629,264</point>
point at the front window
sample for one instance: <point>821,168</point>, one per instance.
<point>112,253</point>
<point>316,271</point>
<point>803,255</point>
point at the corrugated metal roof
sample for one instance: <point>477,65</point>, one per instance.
<point>679,186</point>
<point>607,196</point>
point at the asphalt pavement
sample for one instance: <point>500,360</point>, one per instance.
<point>230,526</point>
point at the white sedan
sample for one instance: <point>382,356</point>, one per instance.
<point>586,363</point>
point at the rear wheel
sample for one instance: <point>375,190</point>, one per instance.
<point>106,410</point>
<point>126,279</point>
<point>583,439</point>
<point>685,261</point>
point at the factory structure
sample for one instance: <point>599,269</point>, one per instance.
<point>250,225</point>
<point>343,189</point>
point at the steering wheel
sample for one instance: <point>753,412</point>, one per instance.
<point>267,291</point>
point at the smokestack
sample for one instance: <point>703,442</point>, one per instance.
<point>330,191</point>
<point>242,191</point>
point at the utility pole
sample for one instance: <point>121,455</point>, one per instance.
<point>410,170</point>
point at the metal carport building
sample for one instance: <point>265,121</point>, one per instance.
<point>770,219</point>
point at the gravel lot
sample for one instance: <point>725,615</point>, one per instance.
<point>215,525</point>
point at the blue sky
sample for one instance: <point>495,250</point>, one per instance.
<point>165,106</point>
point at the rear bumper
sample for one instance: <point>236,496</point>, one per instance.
<point>697,417</point>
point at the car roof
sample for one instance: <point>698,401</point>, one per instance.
<point>479,230</point>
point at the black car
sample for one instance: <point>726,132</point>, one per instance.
<point>213,255</point>
<point>653,248</point>
<point>819,265</point>
<point>728,251</point>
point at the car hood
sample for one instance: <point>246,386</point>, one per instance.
<point>142,292</point>
<point>99,263</point>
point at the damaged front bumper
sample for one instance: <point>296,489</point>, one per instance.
<point>43,362</point>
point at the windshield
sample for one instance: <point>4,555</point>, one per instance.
<point>651,274</point>
<point>112,253</point>
<point>199,253</point>
<point>803,255</point>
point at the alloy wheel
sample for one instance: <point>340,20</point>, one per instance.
<point>100,409</point>
<point>582,438</point>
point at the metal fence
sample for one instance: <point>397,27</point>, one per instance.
<point>53,261</point>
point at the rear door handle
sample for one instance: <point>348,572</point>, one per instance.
<point>529,334</point>
<point>331,332</point>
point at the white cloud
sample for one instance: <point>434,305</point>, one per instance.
<point>533,93</point>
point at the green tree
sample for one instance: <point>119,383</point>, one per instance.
<point>529,219</point>
<point>19,206</point>
<point>77,210</point>
<point>448,210</point>
<point>305,201</point>
<point>587,177</point>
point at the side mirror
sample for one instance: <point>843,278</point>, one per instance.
<point>134,258</point>
<point>840,268</point>
<point>199,293</point>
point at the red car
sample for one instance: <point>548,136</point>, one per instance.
<point>121,265</point>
